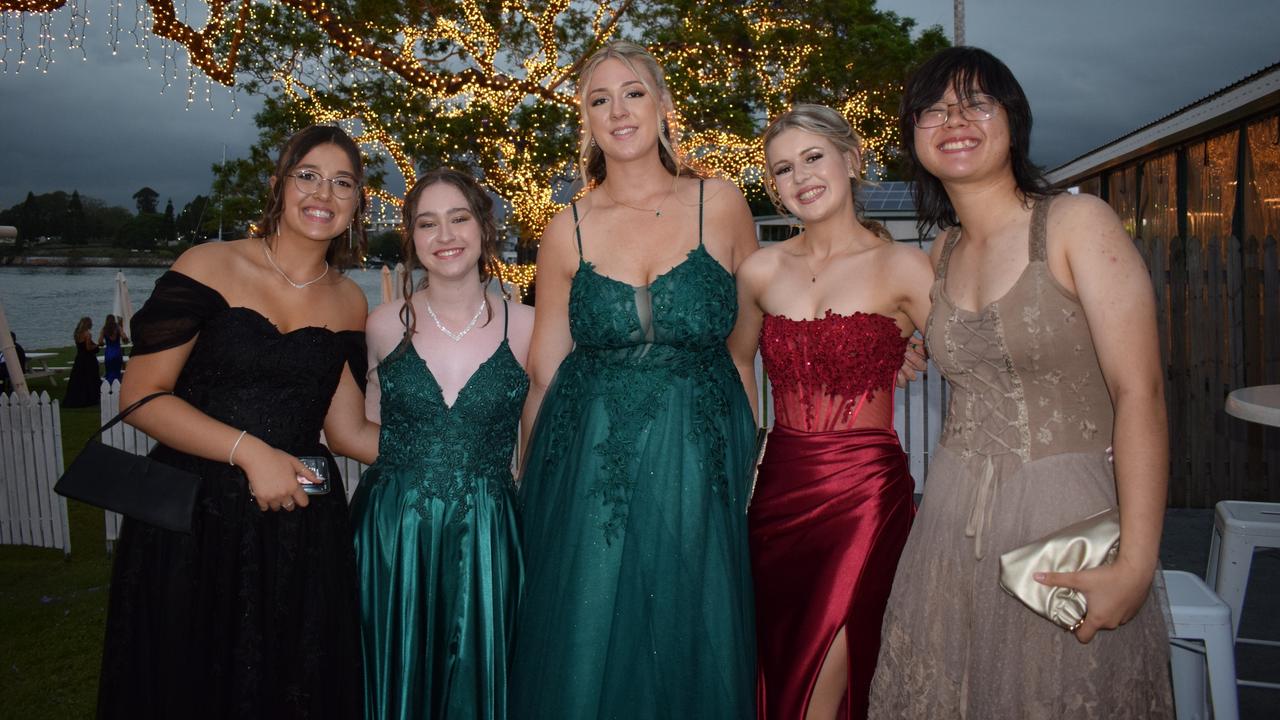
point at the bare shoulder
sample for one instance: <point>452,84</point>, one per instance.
<point>718,194</point>
<point>558,236</point>
<point>906,258</point>
<point>763,263</point>
<point>520,318</point>
<point>384,328</point>
<point>1083,216</point>
<point>352,303</point>
<point>208,262</point>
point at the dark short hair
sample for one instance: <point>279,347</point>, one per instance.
<point>964,69</point>
<point>344,250</point>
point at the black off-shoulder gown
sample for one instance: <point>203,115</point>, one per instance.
<point>253,614</point>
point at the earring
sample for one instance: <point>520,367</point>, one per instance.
<point>592,141</point>
<point>351,236</point>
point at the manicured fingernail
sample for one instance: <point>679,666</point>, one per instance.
<point>1039,577</point>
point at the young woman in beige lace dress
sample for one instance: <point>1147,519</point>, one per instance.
<point>1043,322</point>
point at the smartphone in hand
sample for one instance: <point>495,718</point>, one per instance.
<point>319,466</point>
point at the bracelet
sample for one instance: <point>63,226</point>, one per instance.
<point>231,459</point>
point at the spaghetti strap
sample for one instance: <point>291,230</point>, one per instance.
<point>1036,248</point>
<point>577,231</point>
<point>948,244</point>
<point>506,318</point>
<point>702,184</point>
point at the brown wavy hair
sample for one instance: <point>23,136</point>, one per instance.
<point>347,248</point>
<point>481,205</point>
<point>825,122</point>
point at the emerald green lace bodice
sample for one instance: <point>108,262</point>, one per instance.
<point>455,450</point>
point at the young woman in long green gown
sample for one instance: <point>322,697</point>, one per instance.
<point>638,591</point>
<point>436,532</point>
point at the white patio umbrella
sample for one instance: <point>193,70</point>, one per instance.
<point>387,292</point>
<point>121,307</point>
<point>397,285</point>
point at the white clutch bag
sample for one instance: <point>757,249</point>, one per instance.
<point>1090,543</point>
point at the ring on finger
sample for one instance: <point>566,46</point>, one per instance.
<point>288,505</point>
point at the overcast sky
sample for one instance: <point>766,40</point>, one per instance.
<point>1093,69</point>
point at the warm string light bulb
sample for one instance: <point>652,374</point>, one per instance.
<point>511,104</point>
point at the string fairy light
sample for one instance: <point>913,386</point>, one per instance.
<point>454,68</point>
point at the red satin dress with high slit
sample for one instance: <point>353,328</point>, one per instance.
<point>832,505</point>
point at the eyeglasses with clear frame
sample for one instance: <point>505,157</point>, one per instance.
<point>308,183</point>
<point>974,108</point>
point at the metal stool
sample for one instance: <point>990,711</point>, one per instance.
<point>1238,528</point>
<point>1199,614</point>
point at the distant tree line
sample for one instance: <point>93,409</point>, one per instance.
<point>77,220</point>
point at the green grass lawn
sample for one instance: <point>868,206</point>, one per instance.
<point>54,608</point>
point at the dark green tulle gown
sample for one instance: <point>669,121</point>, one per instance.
<point>638,591</point>
<point>437,542</point>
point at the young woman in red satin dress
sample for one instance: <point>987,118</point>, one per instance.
<point>832,310</point>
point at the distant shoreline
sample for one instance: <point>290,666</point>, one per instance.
<point>62,261</point>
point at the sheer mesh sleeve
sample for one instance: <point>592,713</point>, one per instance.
<point>174,313</point>
<point>357,356</point>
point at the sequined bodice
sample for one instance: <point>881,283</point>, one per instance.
<point>1024,375</point>
<point>454,450</point>
<point>832,373</point>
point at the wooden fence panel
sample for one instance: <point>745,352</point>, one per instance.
<point>31,513</point>
<point>1177,372</point>
<point>1269,335</point>
<point>1197,406</point>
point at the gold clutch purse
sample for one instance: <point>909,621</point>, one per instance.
<point>1090,543</point>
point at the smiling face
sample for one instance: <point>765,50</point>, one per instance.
<point>811,175</point>
<point>446,232</point>
<point>318,215</point>
<point>961,149</point>
<point>621,111</point>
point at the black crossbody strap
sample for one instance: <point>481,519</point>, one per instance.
<point>121,415</point>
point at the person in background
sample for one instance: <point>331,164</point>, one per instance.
<point>1043,323</point>
<point>82,385</point>
<point>260,344</point>
<point>5,382</point>
<point>109,340</point>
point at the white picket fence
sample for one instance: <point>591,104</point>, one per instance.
<point>31,513</point>
<point>917,416</point>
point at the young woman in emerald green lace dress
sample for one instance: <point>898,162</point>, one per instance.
<point>437,541</point>
<point>638,592</point>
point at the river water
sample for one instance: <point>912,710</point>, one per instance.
<point>43,304</point>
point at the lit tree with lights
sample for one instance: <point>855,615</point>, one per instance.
<point>489,84</point>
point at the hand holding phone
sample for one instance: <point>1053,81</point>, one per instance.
<point>320,467</point>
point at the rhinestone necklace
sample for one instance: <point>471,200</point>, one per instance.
<point>461,333</point>
<point>267,251</point>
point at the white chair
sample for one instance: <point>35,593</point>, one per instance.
<point>1238,528</point>
<point>1200,615</point>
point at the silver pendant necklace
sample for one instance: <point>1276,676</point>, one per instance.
<point>267,251</point>
<point>456,337</point>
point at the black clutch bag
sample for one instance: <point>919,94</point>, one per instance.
<point>133,485</point>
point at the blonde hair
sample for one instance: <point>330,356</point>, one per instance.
<point>825,122</point>
<point>591,163</point>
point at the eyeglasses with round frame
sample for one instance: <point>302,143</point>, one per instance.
<point>308,183</point>
<point>975,108</point>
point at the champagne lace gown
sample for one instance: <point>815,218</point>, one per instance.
<point>638,595</point>
<point>1022,454</point>
<point>438,543</point>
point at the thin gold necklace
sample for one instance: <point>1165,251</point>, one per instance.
<point>267,251</point>
<point>657,212</point>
